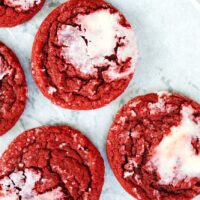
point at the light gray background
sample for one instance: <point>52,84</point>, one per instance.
<point>168,35</point>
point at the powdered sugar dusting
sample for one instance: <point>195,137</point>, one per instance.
<point>62,145</point>
<point>87,47</point>
<point>52,90</point>
<point>22,4</point>
<point>175,157</point>
<point>22,184</point>
<point>163,93</point>
<point>3,74</point>
<point>159,106</point>
<point>3,69</point>
<point>128,174</point>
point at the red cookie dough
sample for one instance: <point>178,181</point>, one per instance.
<point>51,163</point>
<point>14,12</point>
<point>84,54</point>
<point>13,89</point>
<point>153,147</point>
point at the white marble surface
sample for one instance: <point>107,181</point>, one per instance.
<point>168,34</point>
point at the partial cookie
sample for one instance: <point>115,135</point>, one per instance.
<point>154,147</point>
<point>51,163</point>
<point>84,54</point>
<point>13,89</point>
<point>14,12</point>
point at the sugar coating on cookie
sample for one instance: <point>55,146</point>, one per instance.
<point>175,158</point>
<point>154,147</point>
<point>84,54</point>
<point>51,162</point>
<point>13,89</point>
<point>20,5</point>
<point>15,12</point>
<point>3,72</point>
<point>95,38</point>
<point>22,183</point>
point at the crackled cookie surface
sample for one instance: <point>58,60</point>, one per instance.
<point>52,162</point>
<point>84,54</point>
<point>14,12</point>
<point>154,147</point>
<point>13,89</point>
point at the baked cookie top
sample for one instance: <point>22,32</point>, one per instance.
<point>153,147</point>
<point>84,54</point>
<point>51,162</point>
<point>14,12</point>
<point>13,89</point>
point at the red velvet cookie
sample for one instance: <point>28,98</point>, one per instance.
<point>154,147</point>
<point>51,163</point>
<point>14,12</point>
<point>13,89</point>
<point>84,54</point>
